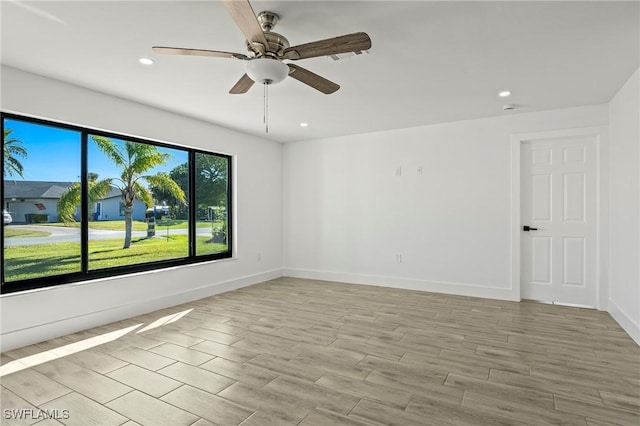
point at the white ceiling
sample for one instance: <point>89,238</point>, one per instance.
<point>430,62</point>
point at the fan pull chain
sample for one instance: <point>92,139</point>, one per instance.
<point>265,117</point>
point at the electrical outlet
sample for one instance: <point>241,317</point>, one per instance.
<point>398,258</point>
<point>419,170</point>
<point>398,171</point>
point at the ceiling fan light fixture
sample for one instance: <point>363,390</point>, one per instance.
<point>266,70</point>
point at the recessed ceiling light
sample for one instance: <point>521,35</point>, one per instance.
<point>304,124</point>
<point>146,61</point>
<point>504,94</point>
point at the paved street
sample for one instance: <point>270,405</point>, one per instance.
<point>61,234</point>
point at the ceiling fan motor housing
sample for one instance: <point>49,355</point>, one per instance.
<point>276,43</point>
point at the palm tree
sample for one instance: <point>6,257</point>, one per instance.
<point>13,148</point>
<point>133,159</point>
<point>70,199</point>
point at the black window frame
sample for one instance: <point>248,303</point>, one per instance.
<point>86,274</point>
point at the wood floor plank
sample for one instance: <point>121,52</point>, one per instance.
<point>530,397</point>
<point>280,407</point>
<point>10,401</point>
<point>287,366</point>
<point>323,397</point>
<point>388,395</point>
<point>212,335</point>
<point>182,354</point>
<point>377,413</point>
<point>97,361</point>
<point>624,385</point>
<point>443,364</point>
<point>146,381</point>
<point>612,415</point>
<point>389,352</point>
<point>519,411</point>
<point>83,411</point>
<point>598,422</point>
<point>228,352</point>
<point>327,365</point>
<point>415,385</point>
<point>557,387</point>
<point>197,377</point>
<point>246,373</point>
<point>618,400</point>
<point>147,410</point>
<point>200,422</point>
<point>448,414</point>
<point>291,351</point>
<point>142,358</point>
<point>320,353</point>
<point>404,372</point>
<point>91,384</point>
<point>261,418</point>
<point>206,405</point>
<point>264,345</point>
<point>473,358</point>
<point>34,387</point>
<point>320,417</point>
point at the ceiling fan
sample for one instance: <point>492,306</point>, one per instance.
<point>267,51</point>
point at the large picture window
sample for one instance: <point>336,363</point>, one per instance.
<point>80,204</point>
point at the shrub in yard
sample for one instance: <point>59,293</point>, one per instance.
<point>218,236</point>
<point>37,218</point>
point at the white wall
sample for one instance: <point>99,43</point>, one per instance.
<point>347,214</point>
<point>624,126</point>
<point>32,316</point>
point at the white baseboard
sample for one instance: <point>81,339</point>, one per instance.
<point>27,336</point>
<point>626,322</point>
<point>459,289</point>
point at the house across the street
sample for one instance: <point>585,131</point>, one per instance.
<point>24,199</point>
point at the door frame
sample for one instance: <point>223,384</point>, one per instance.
<point>601,134</point>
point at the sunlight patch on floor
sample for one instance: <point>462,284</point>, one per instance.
<point>165,320</point>
<point>62,351</point>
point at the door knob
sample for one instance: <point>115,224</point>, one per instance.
<point>528,228</point>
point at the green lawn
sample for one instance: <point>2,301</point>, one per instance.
<point>137,225</point>
<point>184,224</point>
<point>39,260</point>
<point>20,232</point>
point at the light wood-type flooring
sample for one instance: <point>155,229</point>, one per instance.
<point>303,352</point>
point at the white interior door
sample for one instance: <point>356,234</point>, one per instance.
<point>559,196</point>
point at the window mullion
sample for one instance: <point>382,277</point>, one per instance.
<point>193,207</point>
<point>84,204</point>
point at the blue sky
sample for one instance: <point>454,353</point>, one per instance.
<point>54,154</point>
